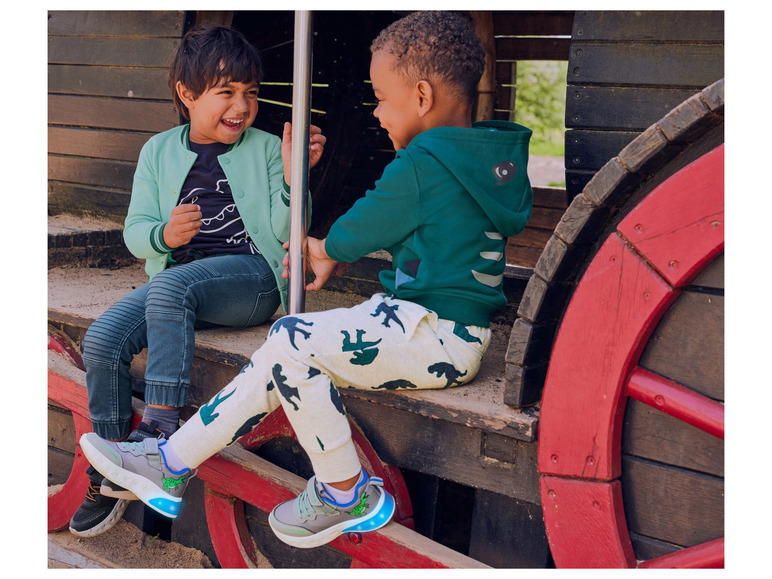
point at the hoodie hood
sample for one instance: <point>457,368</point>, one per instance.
<point>498,178</point>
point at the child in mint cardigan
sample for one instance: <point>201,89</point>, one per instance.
<point>209,212</point>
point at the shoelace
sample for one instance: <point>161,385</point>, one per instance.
<point>303,508</point>
<point>92,490</point>
<point>306,509</point>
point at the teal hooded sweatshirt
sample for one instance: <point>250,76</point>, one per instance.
<point>444,208</point>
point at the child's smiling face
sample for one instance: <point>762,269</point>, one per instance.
<point>398,105</point>
<point>221,113</point>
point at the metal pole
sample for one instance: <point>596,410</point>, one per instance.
<point>301,112</point>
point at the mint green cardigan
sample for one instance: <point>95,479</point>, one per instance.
<point>253,166</point>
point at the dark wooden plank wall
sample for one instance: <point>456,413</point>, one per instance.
<point>107,94</point>
<point>522,36</point>
<point>358,149</point>
<point>341,99</point>
<point>626,70</point>
<point>526,36</point>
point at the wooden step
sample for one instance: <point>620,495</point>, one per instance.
<point>86,242</point>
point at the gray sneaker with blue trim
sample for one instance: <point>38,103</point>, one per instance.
<point>139,467</point>
<point>313,518</point>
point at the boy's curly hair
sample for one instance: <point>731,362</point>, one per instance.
<point>435,46</point>
<point>210,55</point>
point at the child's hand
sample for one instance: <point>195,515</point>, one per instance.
<point>317,261</point>
<point>184,223</point>
<point>316,142</point>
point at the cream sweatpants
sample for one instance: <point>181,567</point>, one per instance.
<point>381,344</point>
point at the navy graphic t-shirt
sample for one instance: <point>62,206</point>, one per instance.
<point>222,230</point>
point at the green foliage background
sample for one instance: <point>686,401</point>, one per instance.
<point>540,104</point>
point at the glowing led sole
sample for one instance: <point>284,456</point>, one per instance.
<point>381,515</point>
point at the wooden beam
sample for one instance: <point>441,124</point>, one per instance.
<point>486,90</point>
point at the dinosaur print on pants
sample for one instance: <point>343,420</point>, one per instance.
<point>280,381</point>
<point>389,314</point>
<point>207,412</point>
<point>291,324</point>
<point>364,352</point>
<point>395,385</point>
<point>449,371</point>
<point>248,426</point>
<point>337,401</point>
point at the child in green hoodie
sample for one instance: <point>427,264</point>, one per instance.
<point>443,209</point>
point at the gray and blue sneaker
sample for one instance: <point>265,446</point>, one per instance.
<point>144,430</point>
<point>105,502</point>
<point>139,467</point>
<point>313,518</point>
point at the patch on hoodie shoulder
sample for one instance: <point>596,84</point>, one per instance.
<point>504,172</point>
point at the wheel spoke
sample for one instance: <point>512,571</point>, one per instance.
<point>231,539</point>
<point>677,401</point>
<point>708,555</point>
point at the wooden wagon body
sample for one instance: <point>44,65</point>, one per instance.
<point>593,436</point>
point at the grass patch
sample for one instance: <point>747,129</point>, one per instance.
<point>540,104</point>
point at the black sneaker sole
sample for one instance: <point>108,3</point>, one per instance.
<point>108,523</point>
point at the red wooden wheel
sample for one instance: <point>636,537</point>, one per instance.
<point>63,504</point>
<point>635,276</point>
<point>60,343</point>
<point>67,499</point>
<point>70,395</point>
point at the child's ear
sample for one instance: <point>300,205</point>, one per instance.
<point>185,94</point>
<point>425,95</point>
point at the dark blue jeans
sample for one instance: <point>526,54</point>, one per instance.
<point>225,290</point>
